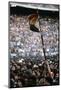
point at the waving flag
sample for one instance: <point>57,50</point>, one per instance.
<point>32,21</point>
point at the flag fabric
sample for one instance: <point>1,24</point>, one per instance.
<point>32,21</point>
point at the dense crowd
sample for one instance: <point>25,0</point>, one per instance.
<point>25,44</point>
<point>28,43</point>
<point>26,73</point>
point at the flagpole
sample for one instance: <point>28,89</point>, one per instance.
<point>41,36</point>
<point>33,28</point>
<point>45,59</point>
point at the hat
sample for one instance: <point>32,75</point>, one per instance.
<point>35,66</point>
<point>21,60</point>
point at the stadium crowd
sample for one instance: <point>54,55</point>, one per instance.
<point>26,73</point>
<point>23,43</point>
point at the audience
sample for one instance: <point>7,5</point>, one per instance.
<point>27,66</point>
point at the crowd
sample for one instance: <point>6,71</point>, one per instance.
<point>26,73</point>
<point>25,44</point>
<point>28,43</point>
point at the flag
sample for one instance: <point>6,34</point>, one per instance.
<point>32,20</point>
